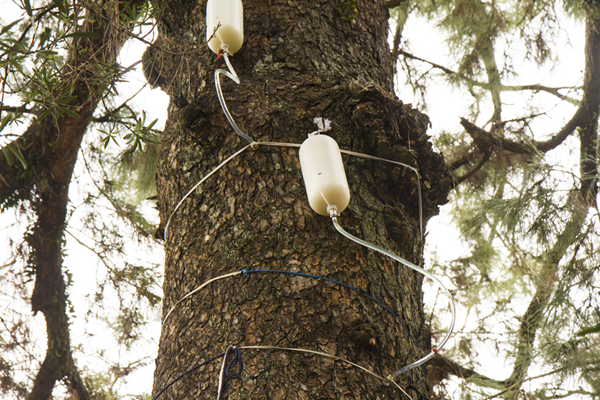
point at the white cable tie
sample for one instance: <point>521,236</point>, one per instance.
<point>323,125</point>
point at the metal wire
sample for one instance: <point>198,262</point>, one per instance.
<point>337,226</point>
<point>218,167</point>
<point>196,290</point>
<point>386,381</point>
<point>225,365</point>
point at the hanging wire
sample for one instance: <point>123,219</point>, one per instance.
<point>334,215</point>
<point>226,366</point>
<point>196,290</point>
<point>295,145</point>
<point>218,167</point>
<point>174,381</point>
<point>233,76</point>
<point>416,171</point>
<point>360,292</point>
<point>247,272</point>
<point>386,381</point>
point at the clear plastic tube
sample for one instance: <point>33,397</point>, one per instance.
<point>333,214</point>
<point>233,76</point>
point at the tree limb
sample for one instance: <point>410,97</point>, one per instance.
<point>438,66</point>
<point>541,88</point>
<point>50,148</point>
<point>588,132</point>
<point>503,88</point>
<point>21,109</point>
<point>544,287</point>
<point>585,118</point>
<point>447,366</point>
<point>393,3</point>
<point>485,158</point>
<point>531,320</point>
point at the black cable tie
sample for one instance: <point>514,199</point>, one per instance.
<point>421,395</point>
<point>237,359</point>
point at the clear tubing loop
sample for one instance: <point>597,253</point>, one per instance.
<point>407,263</point>
<point>233,76</point>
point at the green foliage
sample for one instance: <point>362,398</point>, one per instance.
<point>136,136</point>
<point>588,330</point>
<point>528,280</point>
<point>13,150</point>
<point>42,52</point>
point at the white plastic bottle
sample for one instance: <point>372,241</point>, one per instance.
<point>324,175</point>
<point>230,13</point>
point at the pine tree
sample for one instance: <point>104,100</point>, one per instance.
<point>530,221</point>
<point>301,60</point>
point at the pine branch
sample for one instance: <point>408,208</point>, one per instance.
<point>585,117</point>
<point>485,158</point>
<point>545,283</point>
<point>393,3</point>
<point>466,158</point>
<point>111,114</point>
<point>21,109</point>
<point>435,65</point>
<point>50,147</point>
<point>487,141</point>
<point>555,91</point>
<point>447,366</point>
<point>485,46</point>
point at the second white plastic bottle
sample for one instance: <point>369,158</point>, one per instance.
<point>324,175</point>
<point>230,13</point>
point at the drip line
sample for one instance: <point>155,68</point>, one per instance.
<point>234,77</point>
<point>254,144</point>
<point>369,157</point>
<point>407,263</point>
<point>223,370</point>
<point>247,272</point>
<point>295,145</point>
<point>386,381</point>
<point>196,290</point>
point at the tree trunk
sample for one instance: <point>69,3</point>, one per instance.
<point>301,59</point>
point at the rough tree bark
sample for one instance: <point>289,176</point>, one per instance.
<point>301,59</point>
